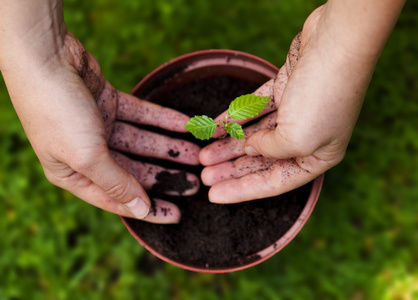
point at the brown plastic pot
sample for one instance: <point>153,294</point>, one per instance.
<point>202,65</point>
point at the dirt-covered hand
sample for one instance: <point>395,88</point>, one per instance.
<point>318,94</point>
<point>123,115</point>
<point>71,116</point>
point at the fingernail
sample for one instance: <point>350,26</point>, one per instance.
<point>164,212</point>
<point>251,151</point>
<point>138,208</point>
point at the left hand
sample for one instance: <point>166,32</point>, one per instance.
<point>71,113</point>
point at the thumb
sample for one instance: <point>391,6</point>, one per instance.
<point>118,184</point>
<point>267,142</point>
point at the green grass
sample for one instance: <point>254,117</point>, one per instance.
<point>360,243</point>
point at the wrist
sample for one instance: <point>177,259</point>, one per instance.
<point>360,28</point>
<point>32,34</point>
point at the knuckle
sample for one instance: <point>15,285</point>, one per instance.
<point>118,192</point>
<point>51,177</point>
<point>85,159</point>
<point>337,158</point>
<point>298,144</point>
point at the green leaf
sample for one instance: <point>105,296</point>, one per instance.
<point>235,130</point>
<point>202,127</point>
<point>247,106</point>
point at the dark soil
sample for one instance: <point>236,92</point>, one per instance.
<point>213,235</point>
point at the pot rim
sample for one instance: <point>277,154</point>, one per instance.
<point>236,58</point>
<point>213,57</point>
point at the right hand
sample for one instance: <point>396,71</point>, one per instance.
<point>318,95</point>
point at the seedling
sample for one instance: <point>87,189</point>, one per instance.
<point>243,107</point>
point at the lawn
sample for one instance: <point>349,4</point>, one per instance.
<point>361,241</point>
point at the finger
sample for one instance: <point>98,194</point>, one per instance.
<point>253,144</point>
<point>116,182</point>
<point>268,143</point>
<point>266,90</point>
<point>163,212</point>
<point>279,85</point>
<point>100,181</point>
<point>292,57</point>
<point>283,176</point>
<point>221,151</point>
<point>150,176</point>
<point>107,103</point>
<point>80,186</point>
<point>133,109</point>
<point>234,169</point>
<point>229,148</point>
<point>130,139</point>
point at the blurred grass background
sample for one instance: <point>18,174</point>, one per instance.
<point>361,241</point>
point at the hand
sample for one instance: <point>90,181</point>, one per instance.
<point>318,94</point>
<point>119,111</point>
<point>57,98</point>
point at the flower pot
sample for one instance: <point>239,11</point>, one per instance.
<point>216,238</point>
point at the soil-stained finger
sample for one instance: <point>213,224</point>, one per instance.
<point>155,177</point>
<point>130,139</point>
<point>279,85</point>
<point>230,148</point>
<point>163,212</point>
<point>135,110</point>
<point>107,103</point>
<point>283,176</point>
<point>235,169</point>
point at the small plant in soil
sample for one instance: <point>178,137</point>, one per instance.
<point>242,108</point>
